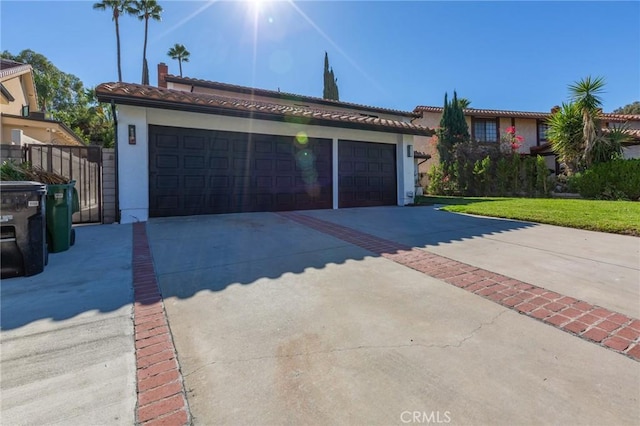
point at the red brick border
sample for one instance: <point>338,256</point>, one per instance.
<point>599,325</point>
<point>161,396</point>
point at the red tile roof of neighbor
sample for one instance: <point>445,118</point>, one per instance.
<point>282,95</point>
<point>154,97</point>
<point>525,114</point>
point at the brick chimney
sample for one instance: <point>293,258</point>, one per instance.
<point>163,70</point>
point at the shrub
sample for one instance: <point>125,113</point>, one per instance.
<point>618,179</point>
<point>441,181</point>
<point>543,184</point>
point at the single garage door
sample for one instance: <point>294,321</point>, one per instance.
<point>194,171</point>
<point>367,174</point>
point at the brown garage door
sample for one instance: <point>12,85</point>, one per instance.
<point>367,174</point>
<point>194,171</point>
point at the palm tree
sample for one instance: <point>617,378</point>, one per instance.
<point>118,7</point>
<point>146,9</point>
<point>179,52</point>
<point>585,94</point>
<point>464,103</point>
<point>565,135</point>
<point>610,146</point>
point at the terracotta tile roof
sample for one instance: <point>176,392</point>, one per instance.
<point>620,117</point>
<point>283,95</point>
<point>9,67</point>
<point>154,97</point>
<point>488,112</point>
<point>607,116</point>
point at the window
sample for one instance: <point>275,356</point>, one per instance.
<point>542,132</point>
<point>485,130</point>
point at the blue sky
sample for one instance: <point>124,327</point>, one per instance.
<point>500,55</point>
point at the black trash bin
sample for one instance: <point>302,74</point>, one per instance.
<point>22,228</point>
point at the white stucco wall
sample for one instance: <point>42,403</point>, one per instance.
<point>634,124</point>
<point>632,151</point>
<point>133,160</point>
<point>133,165</point>
<point>406,170</point>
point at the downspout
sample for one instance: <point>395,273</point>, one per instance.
<point>115,155</point>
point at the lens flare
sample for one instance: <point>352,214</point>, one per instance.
<point>302,138</point>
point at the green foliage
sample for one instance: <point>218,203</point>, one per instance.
<point>609,146</point>
<point>621,217</point>
<point>529,177</point>
<point>542,177</point>
<point>503,176</point>
<point>453,129</point>
<point>180,53</point>
<point>13,171</point>
<point>330,89</point>
<point>56,90</point>
<point>440,181</point>
<point>586,93</point>
<point>633,108</point>
<point>617,179</point>
<point>475,168</point>
<point>482,172</point>
<point>65,97</point>
<point>492,175</point>
<point>565,135</point>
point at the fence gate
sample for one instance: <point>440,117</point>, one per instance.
<point>80,163</point>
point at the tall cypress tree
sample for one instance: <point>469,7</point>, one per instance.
<point>459,127</point>
<point>453,129</point>
<point>330,90</point>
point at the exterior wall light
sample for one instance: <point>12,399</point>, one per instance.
<point>132,134</point>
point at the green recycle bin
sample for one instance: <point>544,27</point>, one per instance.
<point>62,203</point>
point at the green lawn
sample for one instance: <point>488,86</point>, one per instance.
<point>619,217</point>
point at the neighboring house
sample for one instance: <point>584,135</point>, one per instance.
<point>193,147</point>
<point>487,125</point>
<point>20,120</point>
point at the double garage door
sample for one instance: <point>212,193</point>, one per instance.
<point>193,171</point>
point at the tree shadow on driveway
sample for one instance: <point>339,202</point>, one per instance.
<point>193,254</point>
<point>210,253</point>
<point>93,275</point>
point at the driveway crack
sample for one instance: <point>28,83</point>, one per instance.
<point>355,348</point>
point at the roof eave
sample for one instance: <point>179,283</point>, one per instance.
<point>284,118</point>
<point>72,135</point>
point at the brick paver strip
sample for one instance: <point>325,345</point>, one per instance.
<point>160,389</point>
<point>604,327</point>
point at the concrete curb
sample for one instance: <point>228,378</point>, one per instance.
<point>596,324</point>
<point>160,389</point>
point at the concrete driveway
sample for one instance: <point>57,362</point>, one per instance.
<point>276,322</point>
<point>68,352</point>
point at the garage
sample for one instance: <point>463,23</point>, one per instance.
<point>193,171</point>
<point>199,148</point>
<point>367,174</point>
